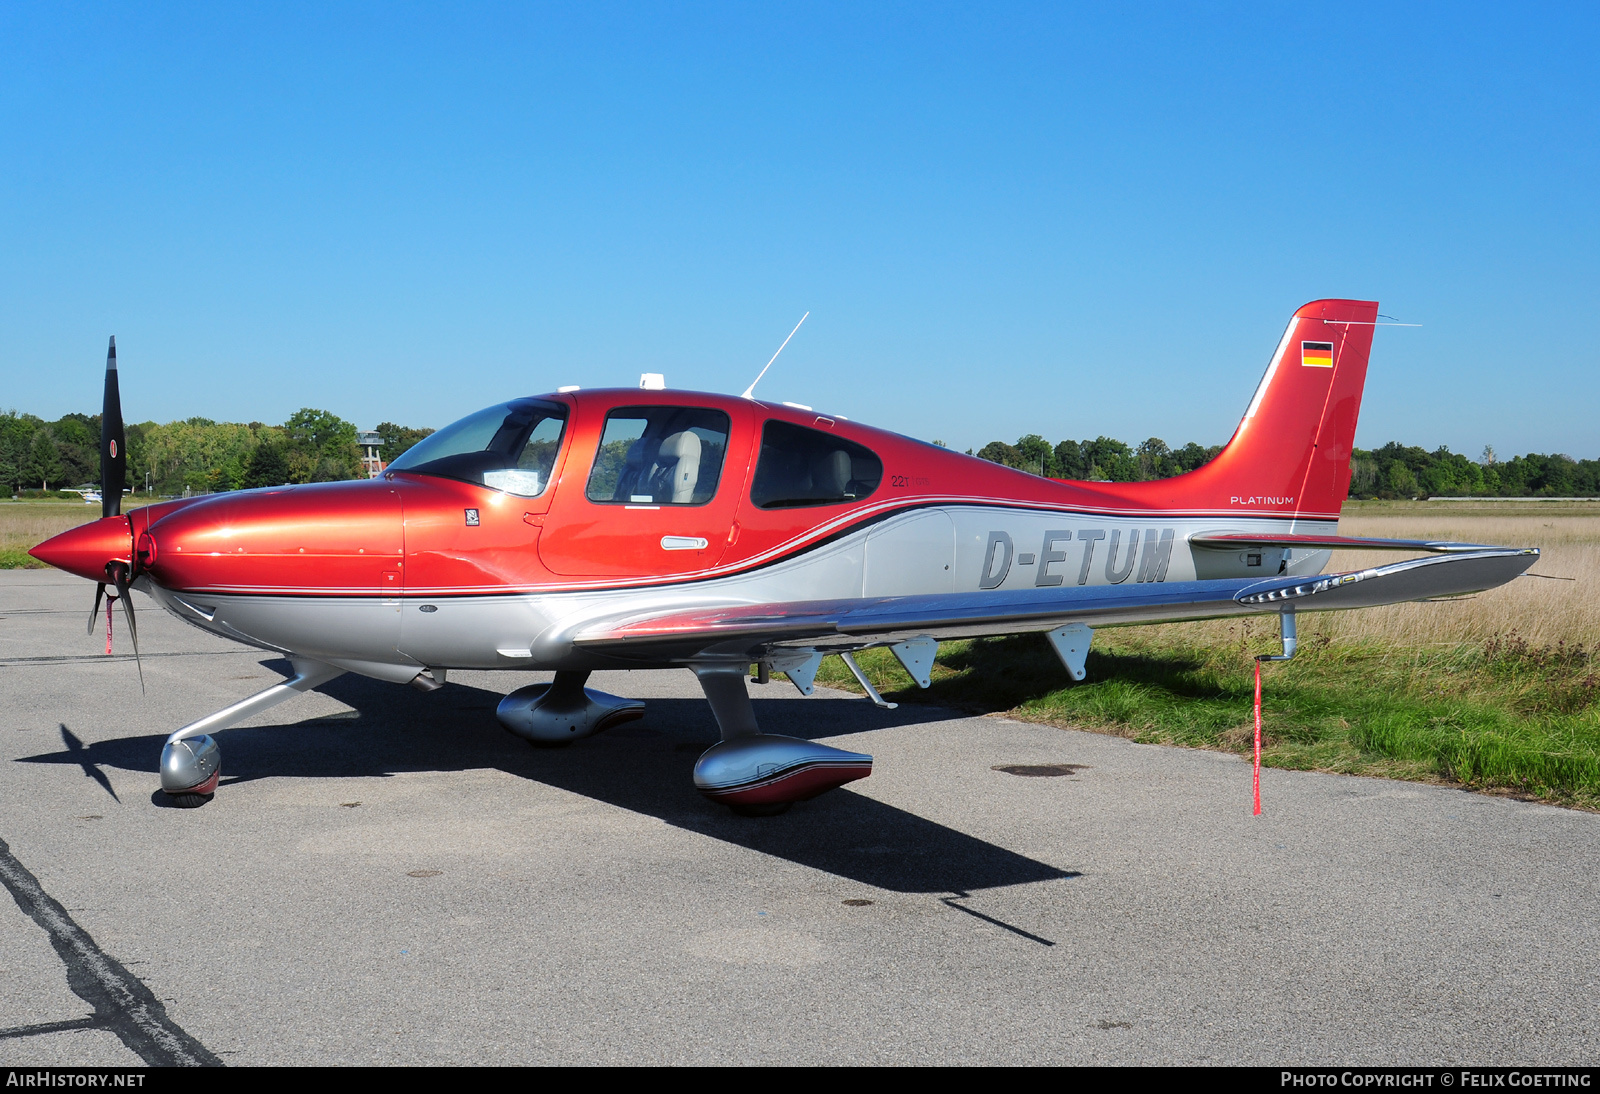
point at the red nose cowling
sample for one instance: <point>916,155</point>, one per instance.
<point>334,538</point>
<point>87,549</point>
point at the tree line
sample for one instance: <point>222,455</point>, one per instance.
<point>197,455</point>
<point>1393,471</point>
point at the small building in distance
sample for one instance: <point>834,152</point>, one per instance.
<point>372,453</point>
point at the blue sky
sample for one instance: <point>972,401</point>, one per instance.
<point>1002,218</point>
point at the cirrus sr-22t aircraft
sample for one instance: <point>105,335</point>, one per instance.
<point>649,528</point>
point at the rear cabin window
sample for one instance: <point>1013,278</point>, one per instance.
<point>659,455</point>
<point>800,466</point>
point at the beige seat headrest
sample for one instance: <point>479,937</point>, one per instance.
<point>680,456</point>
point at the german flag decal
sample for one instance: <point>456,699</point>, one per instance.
<point>1316,354</point>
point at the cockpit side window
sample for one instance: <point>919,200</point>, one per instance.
<point>510,447</point>
<point>800,466</point>
<point>659,455</point>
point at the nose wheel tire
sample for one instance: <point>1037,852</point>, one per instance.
<point>189,801</point>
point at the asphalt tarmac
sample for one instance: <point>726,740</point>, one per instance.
<point>386,876</point>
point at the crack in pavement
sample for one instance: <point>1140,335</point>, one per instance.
<point>122,1004</point>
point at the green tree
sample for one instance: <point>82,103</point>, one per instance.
<point>10,468</point>
<point>1192,456</point>
<point>44,461</point>
<point>134,435</point>
<point>1001,453</point>
<point>1036,455</point>
<point>1399,482</point>
<point>77,438</point>
<point>1070,463</point>
<point>266,467</point>
<point>15,439</point>
<point>322,447</point>
<point>397,439</point>
<point>1155,459</point>
<point>1111,460</point>
<point>197,455</point>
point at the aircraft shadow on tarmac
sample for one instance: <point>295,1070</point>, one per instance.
<point>645,767</point>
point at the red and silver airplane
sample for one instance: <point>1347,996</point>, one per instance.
<point>650,528</point>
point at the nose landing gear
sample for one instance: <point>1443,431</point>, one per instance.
<point>190,769</point>
<point>191,761</point>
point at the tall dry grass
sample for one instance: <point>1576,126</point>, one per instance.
<point>24,524</point>
<point>1542,611</point>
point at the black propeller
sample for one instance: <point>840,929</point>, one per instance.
<point>113,474</point>
<point>94,612</point>
<point>118,572</point>
<point>113,446</point>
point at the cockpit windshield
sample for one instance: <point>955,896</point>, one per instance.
<point>510,447</point>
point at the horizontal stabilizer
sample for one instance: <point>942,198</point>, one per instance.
<point>1233,541</point>
<point>751,631</point>
<point>1396,583</point>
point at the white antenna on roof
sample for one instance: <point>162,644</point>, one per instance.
<point>749,392</point>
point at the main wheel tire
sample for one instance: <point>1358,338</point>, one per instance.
<point>765,809</point>
<point>190,801</point>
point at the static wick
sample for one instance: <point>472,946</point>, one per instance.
<point>749,392</point>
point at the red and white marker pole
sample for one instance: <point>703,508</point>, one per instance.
<point>1258,740</point>
<point>1287,628</point>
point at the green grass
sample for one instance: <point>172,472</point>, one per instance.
<point>1501,716</point>
<point>17,558</point>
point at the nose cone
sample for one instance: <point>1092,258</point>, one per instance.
<point>86,549</point>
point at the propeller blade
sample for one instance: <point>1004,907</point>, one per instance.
<point>113,445</point>
<point>94,613</point>
<point>120,573</point>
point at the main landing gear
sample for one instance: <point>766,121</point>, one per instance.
<point>753,773</point>
<point>761,774</point>
<point>563,710</point>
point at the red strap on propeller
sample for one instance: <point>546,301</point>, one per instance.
<point>109,599</point>
<point>1258,740</point>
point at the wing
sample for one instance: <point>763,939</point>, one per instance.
<point>752,631</point>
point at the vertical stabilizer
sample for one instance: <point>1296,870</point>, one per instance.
<point>1291,452</point>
